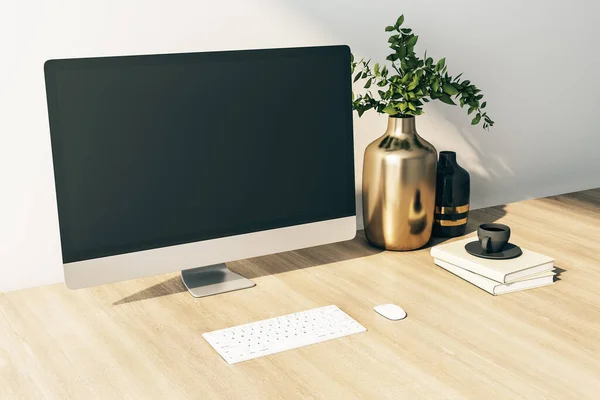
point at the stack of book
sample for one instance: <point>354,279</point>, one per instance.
<point>529,270</point>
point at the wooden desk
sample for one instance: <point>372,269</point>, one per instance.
<point>141,339</point>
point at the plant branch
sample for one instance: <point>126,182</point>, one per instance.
<point>417,81</point>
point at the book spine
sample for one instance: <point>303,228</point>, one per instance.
<point>468,265</point>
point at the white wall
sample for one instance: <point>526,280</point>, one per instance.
<point>534,60</point>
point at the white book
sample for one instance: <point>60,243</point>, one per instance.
<point>503,271</point>
<point>541,279</point>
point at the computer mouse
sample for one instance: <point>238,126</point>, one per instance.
<point>391,311</point>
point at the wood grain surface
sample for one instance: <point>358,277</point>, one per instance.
<point>142,339</point>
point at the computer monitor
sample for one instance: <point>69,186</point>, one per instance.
<point>187,161</point>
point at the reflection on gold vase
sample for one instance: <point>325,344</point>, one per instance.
<point>398,187</point>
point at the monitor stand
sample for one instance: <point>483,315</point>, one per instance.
<point>213,279</point>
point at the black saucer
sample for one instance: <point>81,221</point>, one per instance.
<point>509,251</point>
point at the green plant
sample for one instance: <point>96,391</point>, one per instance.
<point>416,81</point>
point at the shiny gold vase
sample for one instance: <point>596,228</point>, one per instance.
<point>398,187</point>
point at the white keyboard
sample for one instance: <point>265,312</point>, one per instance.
<point>257,339</point>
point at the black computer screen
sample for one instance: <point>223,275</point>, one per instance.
<point>154,151</point>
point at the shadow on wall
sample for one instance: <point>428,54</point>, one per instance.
<point>444,128</point>
<point>447,128</point>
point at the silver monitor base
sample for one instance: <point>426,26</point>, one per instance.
<point>213,279</point>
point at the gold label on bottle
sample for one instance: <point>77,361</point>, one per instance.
<point>446,222</point>
<point>451,210</point>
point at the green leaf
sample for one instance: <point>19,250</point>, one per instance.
<point>376,69</point>
<point>414,83</point>
<point>364,75</point>
<point>446,99</point>
<point>389,109</point>
<point>425,100</point>
<point>402,106</point>
<point>406,30</point>
<point>449,89</point>
<point>484,104</point>
<point>389,28</point>
<point>429,62</point>
<point>399,21</point>
<point>392,57</point>
<point>440,64</point>
<point>471,109</point>
<point>459,75</point>
<point>357,77</point>
<point>401,52</point>
<point>412,41</point>
<point>412,106</point>
<point>476,119</point>
<point>368,84</point>
<point>435,85</point>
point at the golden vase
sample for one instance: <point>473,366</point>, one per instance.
<point>398,187</point>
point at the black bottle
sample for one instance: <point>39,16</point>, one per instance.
<point>453,189</point>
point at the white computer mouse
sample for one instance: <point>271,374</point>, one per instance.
<point>391,311</point>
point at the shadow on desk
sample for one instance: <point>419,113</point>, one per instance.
<point>476,218</point>
<point>271,264</point>
<point>306,258</point>
<point>170,286</point>
<point>558,272</point>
